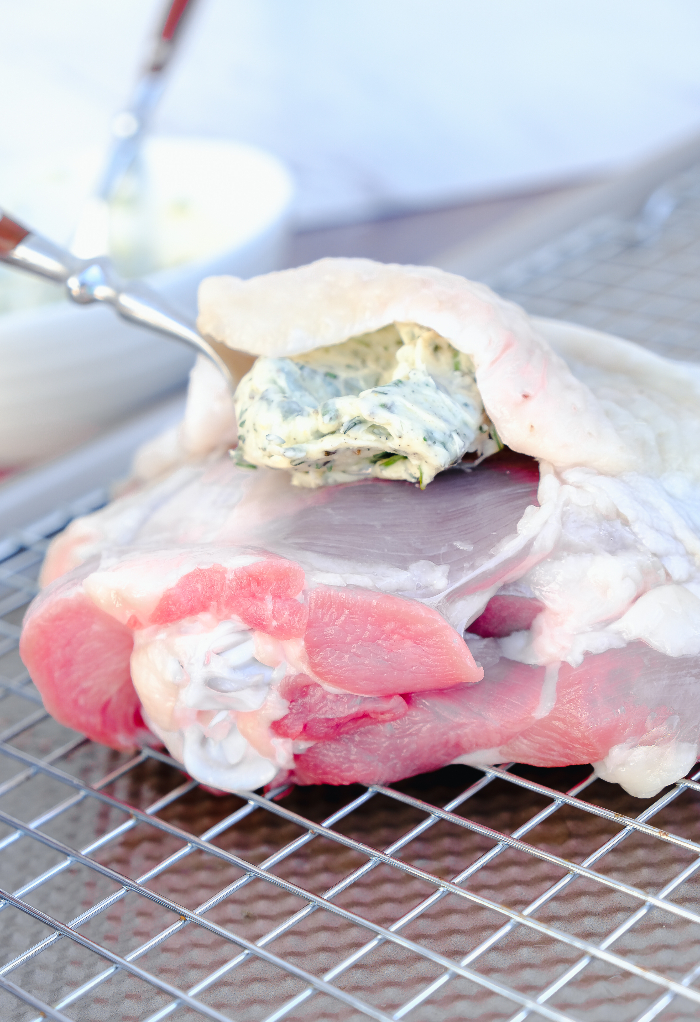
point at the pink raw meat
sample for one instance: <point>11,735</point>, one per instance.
<point>78,658</point>
<point>611,698</point>
<point>316,714</point>
<point>377,644</point>
<point>361,529</point>
<point>439,726</point>
<point>262,595</point>
<point>355,588</point>
<point>504,615</point>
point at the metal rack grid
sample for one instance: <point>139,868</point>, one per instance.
<point>131,893</point>
<point>637,279</point>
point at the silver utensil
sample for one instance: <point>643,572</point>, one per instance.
<point>91,236</point>
<point>95,280</point>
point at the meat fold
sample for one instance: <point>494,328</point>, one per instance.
<point>611,711</point>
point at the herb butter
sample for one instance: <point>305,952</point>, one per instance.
<point>399,403</point>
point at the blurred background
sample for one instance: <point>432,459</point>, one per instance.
<point>377,106</point>
<point>396,129</point>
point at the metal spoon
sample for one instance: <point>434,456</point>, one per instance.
<point>128,129</point>
<point>95,280</point>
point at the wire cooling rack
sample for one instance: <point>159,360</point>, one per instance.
<point>637,279</point>
<point>128,892</point>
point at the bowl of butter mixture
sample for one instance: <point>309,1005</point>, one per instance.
<point>189,207</point>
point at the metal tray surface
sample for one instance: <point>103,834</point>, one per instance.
<point>131,893</point>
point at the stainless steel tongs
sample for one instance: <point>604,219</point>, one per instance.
<point>96,280</point>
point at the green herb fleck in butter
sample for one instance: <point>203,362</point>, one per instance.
<point>400,403</point>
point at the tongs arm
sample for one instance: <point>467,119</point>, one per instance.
<point>96,280</point>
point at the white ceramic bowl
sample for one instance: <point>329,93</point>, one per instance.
<point>68,372</point>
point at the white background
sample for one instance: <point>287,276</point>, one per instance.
<point>377,105</point>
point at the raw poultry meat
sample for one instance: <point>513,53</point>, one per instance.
<point>541,606</point>
<point>214,574</point>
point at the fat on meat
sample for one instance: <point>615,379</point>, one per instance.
<point>200,605</point>
<point>543,606</point>
<point>217,566</point>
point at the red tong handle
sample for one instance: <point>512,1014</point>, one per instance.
<point>172,20</point>
<point>165,39</point>
<point>11,234</point>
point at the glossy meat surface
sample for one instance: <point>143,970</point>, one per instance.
<point>265,632</point>
<point>622,701</point>
<point>338,582</point>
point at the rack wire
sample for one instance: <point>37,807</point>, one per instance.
<point>128,892</point>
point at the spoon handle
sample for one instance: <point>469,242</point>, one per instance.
<point>170,29</point>
<point>129,127</point>
<point>95,280</point>
<point>22,248</point>
<point>11,233</point>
